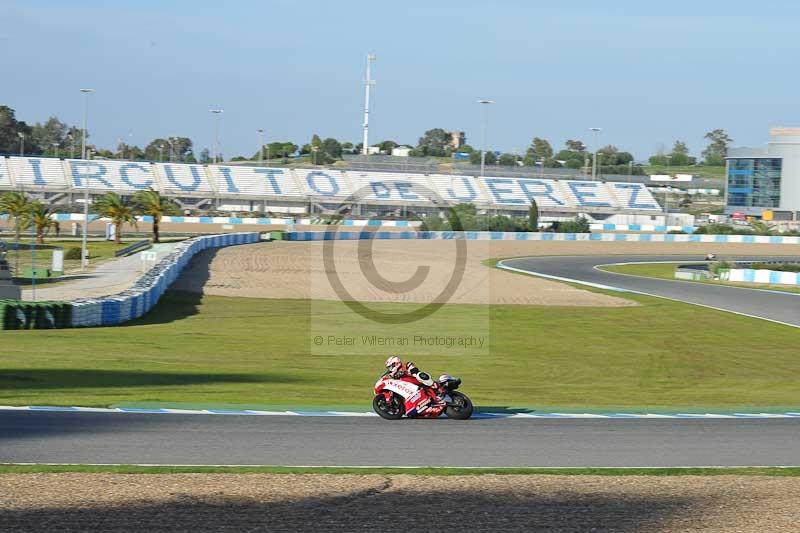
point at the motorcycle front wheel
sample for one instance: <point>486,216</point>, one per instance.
<point>391,410</point>
<point>460,408</point>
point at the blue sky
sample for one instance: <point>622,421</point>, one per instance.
<point>646,72</point>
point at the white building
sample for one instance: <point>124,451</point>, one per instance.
<point>765,179</point>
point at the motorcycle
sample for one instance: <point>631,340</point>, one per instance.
<point>398,397</point>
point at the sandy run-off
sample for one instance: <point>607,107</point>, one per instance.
<point>264,502</point>
<point>298,270</point>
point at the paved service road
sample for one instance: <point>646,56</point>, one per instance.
<point>53,437</point>
<point>770,305</point>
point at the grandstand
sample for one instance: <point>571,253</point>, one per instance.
<point>294,191</point>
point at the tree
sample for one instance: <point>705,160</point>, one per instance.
<point>658,160</point>
<point>680,148</point>
<point>533,215</point>
<point>10,129</point>
<point>466,149</point>
<point>160,149</point>
<point>333,148</point>
<point>38,216</point>
<point>436,142</point>
<point>150,202</point>
<point>680,154</point>
<point>575,146</point>
<point>113,207</point>
<point>50,136</point>
<point>205,156</point>
<point>387,146</point>
<point>507,160</point>
<point>461,216</point>
<point>573,155</point>
<point>15,204</point>
<point>717,149</point>
<point>540,149</point>
<point>475,158</point>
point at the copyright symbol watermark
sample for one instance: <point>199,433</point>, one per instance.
<point>421,195</point>
<point>318,340</point>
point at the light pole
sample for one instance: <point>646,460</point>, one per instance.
<point>485,105</point>
<point>630,170</point>
<point>71,145</point>
<point>55,148</point>
<point>261,145</point>
<point>368,82</point>
<point>541,167</point>
<point>216,113</point>
<point>21,143</point>
<point>85,236</point>
<point>314,150</point>
<point>594,131</point>
<point>160,153</point>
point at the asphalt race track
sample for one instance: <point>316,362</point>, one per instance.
<point>778,306</point>
<point>102,438</point>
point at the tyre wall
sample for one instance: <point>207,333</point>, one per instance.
<point>540,236</point>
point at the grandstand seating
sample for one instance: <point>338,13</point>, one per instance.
<point>5,179</point>
<point>298,185</point>
<point>323,183</point>
<point>253,181</point>
<point>182,179</point>
<point>519,191</point>
<point>126,176</point>
<point>38,172</point>
<point>391,186</point>
<point>634,196</point>
<point>588,194</point>
<point>458,188</point>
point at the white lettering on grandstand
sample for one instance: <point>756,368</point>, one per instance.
<point>301,185</point>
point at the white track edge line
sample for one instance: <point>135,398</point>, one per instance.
<point>619,289</point>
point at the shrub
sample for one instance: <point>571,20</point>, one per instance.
<point>781,267</point>
<point>579,225</point>
<point>73,253</point>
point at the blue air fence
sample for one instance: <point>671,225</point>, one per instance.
<point>146,291</point>
<point>541,236</point>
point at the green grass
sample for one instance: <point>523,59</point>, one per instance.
<point>424,471</point>
<point>99,251</point>
<point>667,271</point>
<point>659,355</point>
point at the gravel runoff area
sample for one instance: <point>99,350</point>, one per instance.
<point>305,502</point>
<point>297,270</point>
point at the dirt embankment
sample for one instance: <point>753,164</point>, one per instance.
<point>264,502</point>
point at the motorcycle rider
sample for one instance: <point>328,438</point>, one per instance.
<point>397,369</point>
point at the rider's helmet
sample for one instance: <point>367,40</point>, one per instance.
<point>394,365</point>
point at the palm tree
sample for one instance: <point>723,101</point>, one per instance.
<point>113,207</point>
<point>15,204</point>
<point>38,216</point>
<point>150,202</point>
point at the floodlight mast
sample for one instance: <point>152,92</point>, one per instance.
<point>85,232</point>
<point>368,82</point>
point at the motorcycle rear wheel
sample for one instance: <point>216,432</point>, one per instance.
<point>393,410</point>
<point>461,408</point>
